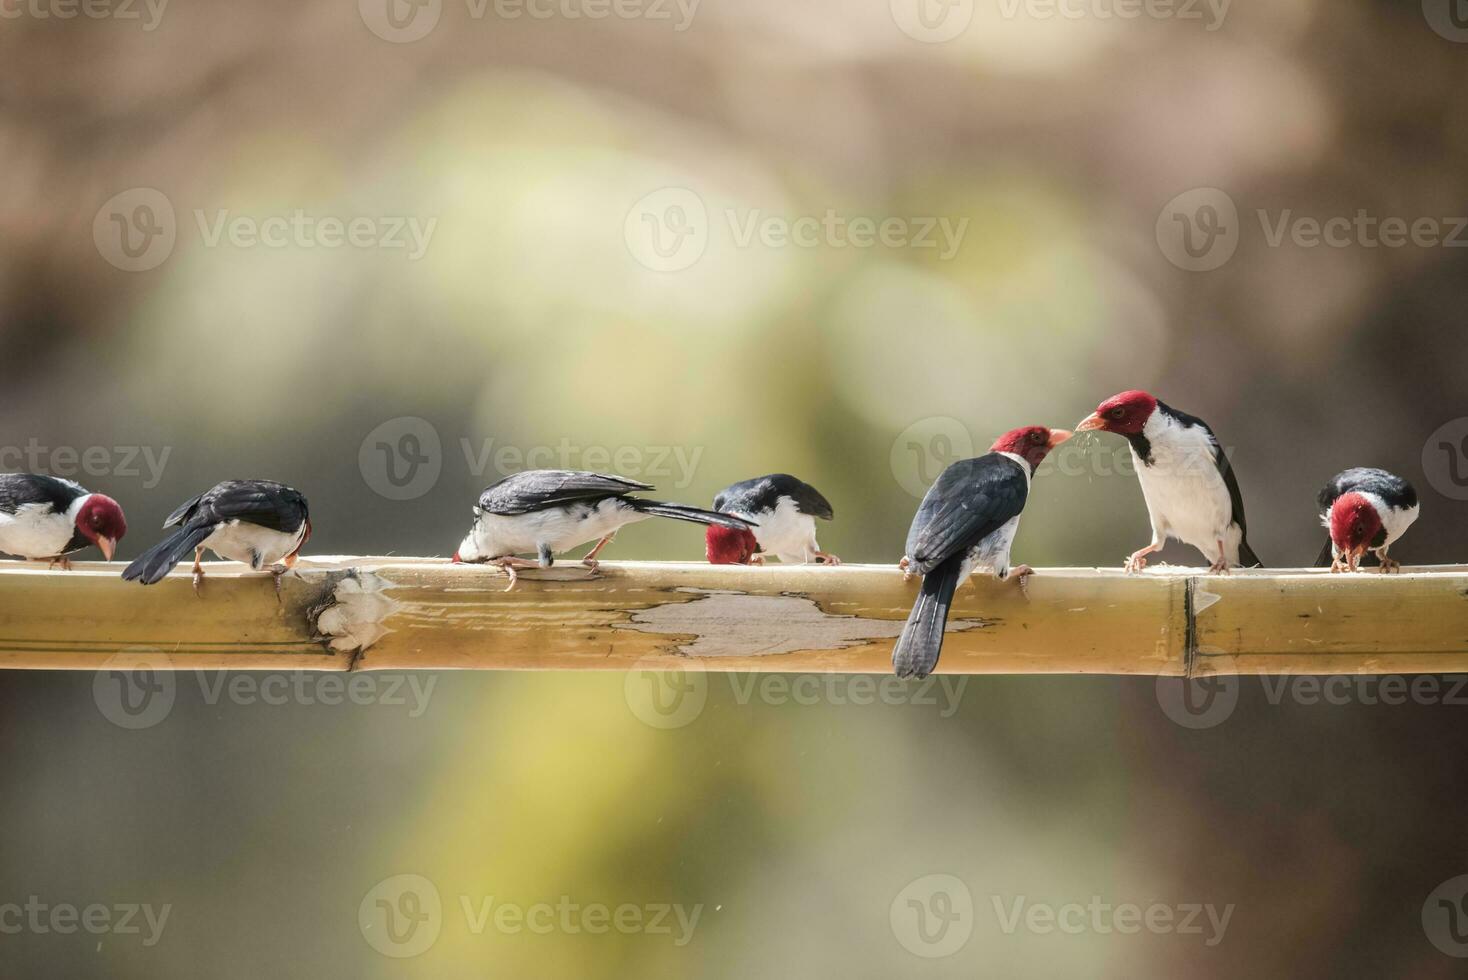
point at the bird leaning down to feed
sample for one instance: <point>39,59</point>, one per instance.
<point>1189,486</point>
<point>783,510</point>
<point>1365,508</point>
<point>257,522</point>
<point>967,520</point>
<point>547,512</point>
<point>45,518</point>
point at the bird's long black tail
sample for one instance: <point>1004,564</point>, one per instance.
<point>917,649</point>
<point>159,560</point>
<point>681,512</point>
<point>1247,558</point>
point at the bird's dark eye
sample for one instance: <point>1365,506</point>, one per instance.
<point>1037,437</point>
<point>1116,413</point>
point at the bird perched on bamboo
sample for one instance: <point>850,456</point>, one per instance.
<point>1187,480</point>
<point>1365,508</point>
<point>966,521</point>
<point>46,518</point>
<point>258,522</point>
<point>783,511</point>
<point>547,512</point>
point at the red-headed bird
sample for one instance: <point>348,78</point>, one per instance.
<point>967,520</point>
<point>545,512</point>
<point>258,522</point>
<point>1189,486</point>
<point>46,518</point>
<point>784,511</point>
<point>1365,508</point>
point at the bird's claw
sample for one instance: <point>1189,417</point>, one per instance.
<point>757,559</point>
<point>60,561</point>
<point>1136,563</point>
<point>1021,574</point>
<point>1388,565</point>
<point>826,558</point>
<point>907,574</point>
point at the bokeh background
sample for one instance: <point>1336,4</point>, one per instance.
<point>600,275</point>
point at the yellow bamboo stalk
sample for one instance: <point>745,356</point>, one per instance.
<point>378,613</point>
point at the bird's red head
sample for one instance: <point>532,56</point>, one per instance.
<point>729,546</point>
<point>1123,414</point>
<point>100,521</point>
<point>1354,524</point>
<point>1033,443</point>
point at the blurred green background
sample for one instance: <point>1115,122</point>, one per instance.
<point>601,274</point>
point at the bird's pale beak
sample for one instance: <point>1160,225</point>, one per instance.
<point>1057,436</point>
<point>1091,423</point>
<point>106,546</point>
<point>457,560</point>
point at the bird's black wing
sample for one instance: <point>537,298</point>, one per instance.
<point>262,502</point>
<point>1391,488</point>
<point>972,499</point>
<point>20,489</point>
<point>763,493</point>
<point>532,490</point>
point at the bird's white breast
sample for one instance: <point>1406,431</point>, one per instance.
<point>1185,493</point>
<point>252,544</point>
<point>785,531</point>
<point>38,531</point>
<point>558,528</point>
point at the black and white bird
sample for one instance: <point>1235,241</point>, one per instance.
<point>1187,481</point>
<point>547,512</point>
<point>1365,508</point>
<point>967,521</point>
<point>46,518</point>
<point>257,522</point>
<point>784,511</point>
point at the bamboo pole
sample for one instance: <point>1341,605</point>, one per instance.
<point>380,613</point>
